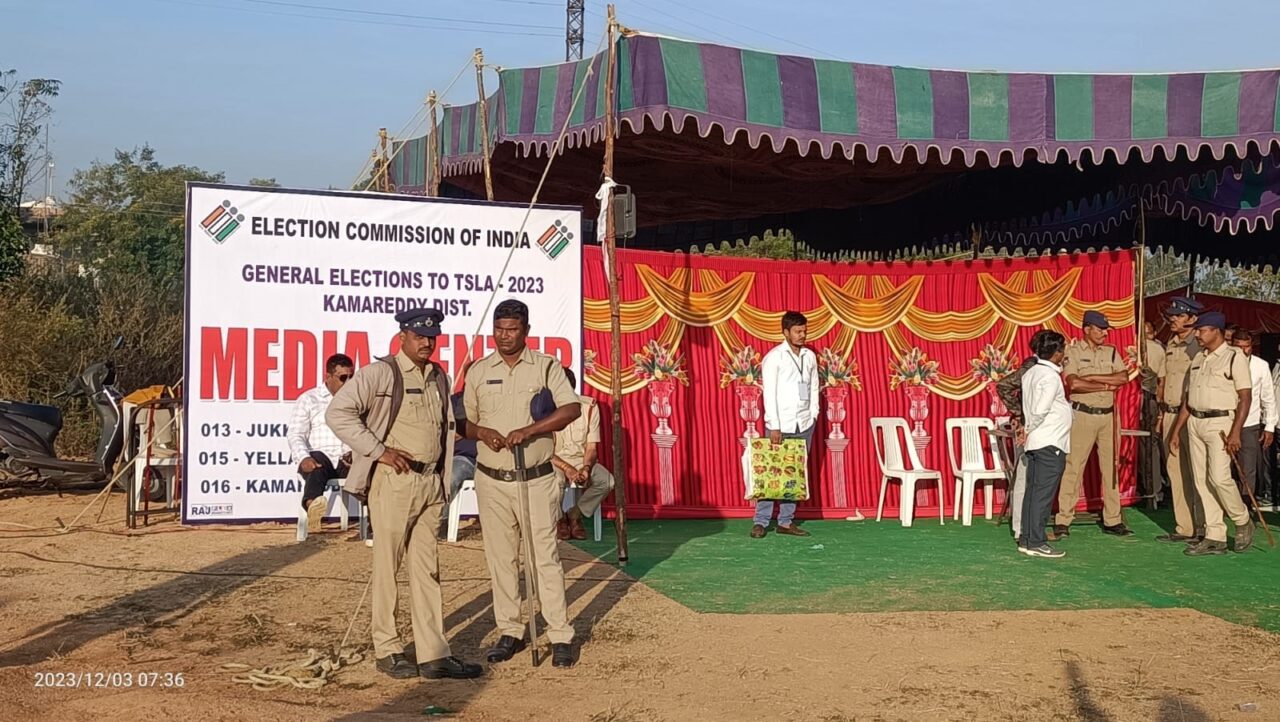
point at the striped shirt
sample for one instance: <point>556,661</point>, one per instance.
<point>308,431</point>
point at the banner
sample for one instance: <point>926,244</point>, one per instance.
<point>279,280</point>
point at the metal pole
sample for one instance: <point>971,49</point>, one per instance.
<point>615,303</point>
<point>384,170</point>
<point>484,125</point>
<point>1191,273</point>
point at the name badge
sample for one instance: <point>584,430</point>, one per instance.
<point>413,391</point>
<point>493,381</point>
<point>802,391</point>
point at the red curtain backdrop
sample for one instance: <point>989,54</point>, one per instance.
<point>705,418</point>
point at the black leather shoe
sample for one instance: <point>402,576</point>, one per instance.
<point>398,666</point>
<point>506,648</point>
<point>1062,531</point>
<point>562,655</point>
<point>1117,530</point>
<point>449,668</point>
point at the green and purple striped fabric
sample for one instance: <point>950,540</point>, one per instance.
<point>841,106</point>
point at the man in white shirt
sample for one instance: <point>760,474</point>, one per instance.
<point>314,447</point>
<point>789,376</point>
<point>1048,429</point>
<point>1260,424</point>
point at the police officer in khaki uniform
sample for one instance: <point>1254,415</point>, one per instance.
<point>1219,392</point>
<point>395,416</point>
<point>1188,513</point>
<point>1093,371</point>
<point>499,397</point>
<point>1152,382</point>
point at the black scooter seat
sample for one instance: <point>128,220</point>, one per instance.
<point>50,415</point>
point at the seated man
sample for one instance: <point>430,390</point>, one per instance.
<point>577,447</point>
<point>318,453</point>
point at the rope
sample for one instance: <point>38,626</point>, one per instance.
<point>313,672</point>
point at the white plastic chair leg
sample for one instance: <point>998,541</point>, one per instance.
<point>599,523</point>
<point>988,490</point>
<point>942,504</point>
<point>906,507</point>
<point>455,514</point>
<point>344,516</point>
<point>959,494</point>
<point>302,525</point>
<point>884,485</point>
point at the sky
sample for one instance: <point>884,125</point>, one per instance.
<point>297,89</point>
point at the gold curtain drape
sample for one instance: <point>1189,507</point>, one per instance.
<point>1024,299</point>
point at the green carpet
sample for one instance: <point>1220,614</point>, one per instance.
<point>713,566</point>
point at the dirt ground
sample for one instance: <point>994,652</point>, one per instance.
<point>170,600</point>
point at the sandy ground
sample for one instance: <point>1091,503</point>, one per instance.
<point>173,601</point>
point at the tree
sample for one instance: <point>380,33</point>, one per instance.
<point>126,217</point>
<point>780,246</point>
<point>24,107</point>
<point>264,182</point>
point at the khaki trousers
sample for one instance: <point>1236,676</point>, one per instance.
<point>405,510</point>
<point>589,499</point>
<point>1212,465</point>
<point>1188,512</point>
<point>500,518</point>
<point>1088,430</point>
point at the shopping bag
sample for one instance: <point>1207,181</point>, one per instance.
<point>777,473</point>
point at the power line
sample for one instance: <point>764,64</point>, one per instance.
<point>356,21</point>
<point>329,8</point>
<point>721,18</point>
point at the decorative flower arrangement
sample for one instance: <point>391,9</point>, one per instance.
<point>742,367</point>
<point>589,361</point>
<point>834,370</point>
<point>657,363</point>
<point>991,365</point>
<point>914,369</point>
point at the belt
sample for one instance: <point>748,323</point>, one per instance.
<point>1169,409</point>
<point>1211,414</point>
<point>1085,408</point>
<point>536,472</point>
<point>420,467</point>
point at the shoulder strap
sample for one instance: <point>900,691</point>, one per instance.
<point>397,389</point>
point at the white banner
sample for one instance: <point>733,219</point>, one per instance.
<point>279,280</point>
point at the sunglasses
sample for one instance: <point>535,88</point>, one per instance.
<point>343,378</point>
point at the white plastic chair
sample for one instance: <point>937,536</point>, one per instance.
<point>464,502</point>
<point>571,498</point>
<point>892,466</point>
<point>338,503</point>
<point>971,465</point>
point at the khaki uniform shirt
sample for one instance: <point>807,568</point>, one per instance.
<point>1177,362</point>
<point>498,396</point>
<point>1154,358</point>
<point>571,443</point>
<point>416,430</point>
<point>1216,378</point>
<point>1084,360</point>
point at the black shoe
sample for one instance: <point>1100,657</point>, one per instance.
<point>1206,548</point>
<point>398,666</point>
<point>1175,537</point>
<point>562,655</point>
<point>449,668</point>
<point>1117,530</point>
<point>506,648</point>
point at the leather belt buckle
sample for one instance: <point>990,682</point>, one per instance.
<point>508,475</point>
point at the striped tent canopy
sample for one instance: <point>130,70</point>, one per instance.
<point>709,132</point>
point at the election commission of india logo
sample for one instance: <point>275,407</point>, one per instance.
<point>555,239</point>
<point>222,222</point>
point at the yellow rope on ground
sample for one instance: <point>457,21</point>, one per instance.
<point>310,673</point>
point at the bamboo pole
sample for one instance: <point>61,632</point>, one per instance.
<point>484,125</point>
<point>384,173</point>
<point>434,185</point>
<point>615,303</point>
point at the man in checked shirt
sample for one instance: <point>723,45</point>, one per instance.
<point>319,454</point>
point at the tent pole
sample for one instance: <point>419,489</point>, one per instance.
<point>1191,273</point>
<point>1141,342</point>
<point>615,303</point>
<point>384,172</point>
<point>432,159</point>
<point>484,125</point>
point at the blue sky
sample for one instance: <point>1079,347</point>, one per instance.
<point>292,90</point>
